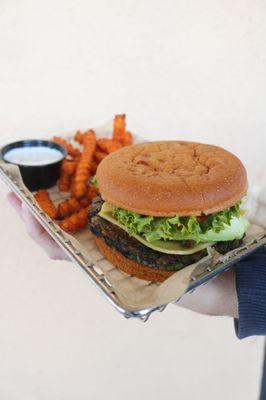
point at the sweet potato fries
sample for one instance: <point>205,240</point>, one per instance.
<point>83,170</point>
<point>76,171</point>
<point>43,199</point>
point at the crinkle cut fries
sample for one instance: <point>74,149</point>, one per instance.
<point>76,173</point>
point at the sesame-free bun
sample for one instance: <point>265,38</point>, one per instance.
<point>172,177</point>
<point>129,266</point>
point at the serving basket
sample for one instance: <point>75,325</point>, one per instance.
<point>91,261</point>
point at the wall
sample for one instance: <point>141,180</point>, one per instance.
<point>179,69</point>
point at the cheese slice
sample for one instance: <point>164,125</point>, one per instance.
<point>163,246</point>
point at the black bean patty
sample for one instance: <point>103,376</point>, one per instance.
<point>131,248</point>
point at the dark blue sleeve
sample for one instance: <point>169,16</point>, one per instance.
<point>251,293</point>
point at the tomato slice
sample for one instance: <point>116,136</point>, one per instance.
<point>201,218</point>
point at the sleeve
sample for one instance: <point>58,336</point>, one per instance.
<point>251,293</point>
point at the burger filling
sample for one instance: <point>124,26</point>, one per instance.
<point>166,243</point>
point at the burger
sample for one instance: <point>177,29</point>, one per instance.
<point>163,204</point>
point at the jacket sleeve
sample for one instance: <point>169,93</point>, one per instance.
<point>251,293</point>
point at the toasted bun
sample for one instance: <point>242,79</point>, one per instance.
<point>172,177</point>
<point>129,266</point>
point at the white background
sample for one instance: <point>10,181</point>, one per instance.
<point>179,69</point>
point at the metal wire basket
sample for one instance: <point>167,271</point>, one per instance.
<point>71,247</point>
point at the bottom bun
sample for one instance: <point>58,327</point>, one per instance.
<point>131,267</point>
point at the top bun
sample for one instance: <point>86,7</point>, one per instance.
<point>172,177</point>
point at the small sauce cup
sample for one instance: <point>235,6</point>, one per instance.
<point>39,161</point>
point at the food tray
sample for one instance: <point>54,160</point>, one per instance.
<point>84,259</point>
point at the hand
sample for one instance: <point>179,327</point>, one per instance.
<point>36,231</point>
<point>217,297</point>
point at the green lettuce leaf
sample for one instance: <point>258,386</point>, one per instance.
<point>184,228</point>
<point>94,181</point>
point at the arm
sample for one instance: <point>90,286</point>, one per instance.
<point>251,293</point>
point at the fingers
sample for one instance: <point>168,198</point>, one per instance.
<point>36,231</point>
<point>50,247</point>
<point>33,227</point>
<point>201,300</point>
<point>14,201</point>
<point>217,297</point>
<point>41,237</point>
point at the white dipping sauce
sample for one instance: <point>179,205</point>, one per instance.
<point>34,155</point>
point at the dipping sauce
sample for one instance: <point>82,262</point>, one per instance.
<point>39,161</point>
<point>33,155</point>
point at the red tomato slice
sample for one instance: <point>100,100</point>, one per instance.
<point>201,218</point>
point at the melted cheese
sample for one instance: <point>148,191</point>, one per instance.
<point>163,246</point>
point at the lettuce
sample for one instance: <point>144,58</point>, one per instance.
<point>184,228</point>
<point>94,181</point>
